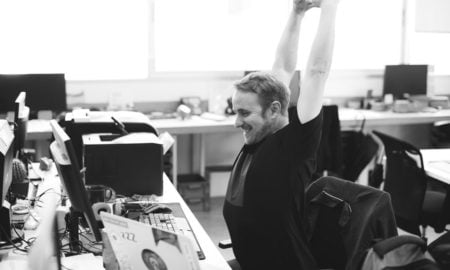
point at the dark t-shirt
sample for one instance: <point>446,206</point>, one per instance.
<point>264,205</point>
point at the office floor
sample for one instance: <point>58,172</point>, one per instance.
<point>213,223</point>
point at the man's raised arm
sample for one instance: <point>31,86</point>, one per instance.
<point>286,53</point>
<point>319,63</point>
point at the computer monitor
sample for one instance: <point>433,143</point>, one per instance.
<point>405,79</point>
<point>6,158</point>
<point>21,114</point>
<point>69,172</point>
<point>44,92</point>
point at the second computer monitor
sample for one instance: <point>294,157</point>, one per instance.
<point>69,171</point>
<point>400,80</point>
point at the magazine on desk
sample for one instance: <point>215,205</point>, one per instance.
<point>138,245</point>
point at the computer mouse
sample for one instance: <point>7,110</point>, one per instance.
<point>157,208</point>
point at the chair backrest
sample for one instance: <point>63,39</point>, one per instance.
<point>327,230</point>
<point>342,219</point>
<point>440,134</point>
<point>359,149</point>
<point>405,180</point>
<point>329,155</point>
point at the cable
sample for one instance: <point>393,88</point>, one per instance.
<point>20,237</point>
<point>11,242</point>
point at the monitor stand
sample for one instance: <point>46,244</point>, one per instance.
<point>73,220</point>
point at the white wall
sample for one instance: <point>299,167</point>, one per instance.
<point>172,86</point>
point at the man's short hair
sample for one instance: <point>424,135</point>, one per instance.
<point>267,87</point>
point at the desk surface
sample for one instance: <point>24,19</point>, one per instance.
<point>436,163</point>
<point>214,259</point>
<point>349,118</point>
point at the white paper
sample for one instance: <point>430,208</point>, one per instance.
<point>83,261</point>
<point>167,141</point>
<point>136,244</point>
<point>138,137</point>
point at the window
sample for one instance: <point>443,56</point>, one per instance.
<point>368,34</point>
<point>217,35</point>
<point>123,39</point>
<point>429,40</point>
<point>204,35</point>
<point>85,39</point>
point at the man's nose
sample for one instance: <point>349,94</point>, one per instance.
<point>238,122</point>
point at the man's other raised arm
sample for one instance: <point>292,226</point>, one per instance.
<point>319,63</point>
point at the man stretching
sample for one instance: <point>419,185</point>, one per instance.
<point>264,203</point>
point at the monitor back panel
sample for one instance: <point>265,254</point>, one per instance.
<point>405,79</point>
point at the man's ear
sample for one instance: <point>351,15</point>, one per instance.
<point>275,108</point>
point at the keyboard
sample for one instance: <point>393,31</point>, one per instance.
<point>175,222</point>
<point>162,221</point>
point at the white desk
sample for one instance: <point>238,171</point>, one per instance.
<point>199,127</point>
<point>349,119</point>
<point>441,171</point>
<point>40,129</point>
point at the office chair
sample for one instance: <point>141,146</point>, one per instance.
<point>343,218</point>
<point>330,154</point>
<point>343,154</point>
<point>440,134</point>
<point>359,149</point>
<point>406,181</point>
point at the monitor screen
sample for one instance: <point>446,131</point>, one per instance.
<point>405,79</point>
<point>6,158</point>
<point>69,172</point>
<point>44,91</point>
